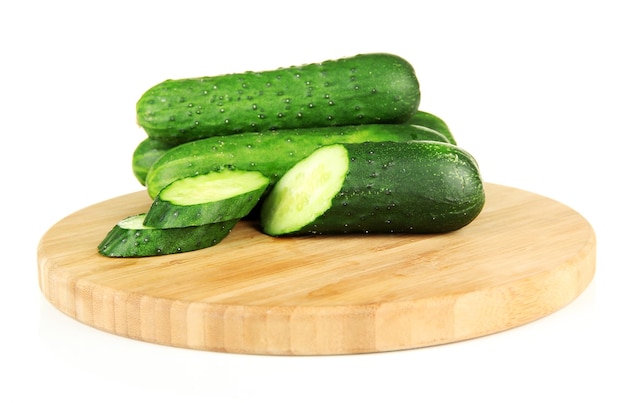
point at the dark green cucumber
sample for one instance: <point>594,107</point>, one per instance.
<point>203,199</point>
<point>145,154</point>
<point>272,153</point>
<point>426,119</point>
<point>415,187</point>
<point>366,88</point>
<point>130,238</point>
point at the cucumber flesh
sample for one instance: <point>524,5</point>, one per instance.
<point>306,191</point>
<point>214,197</point>
<point>378,187</point>
<point>131,238</point>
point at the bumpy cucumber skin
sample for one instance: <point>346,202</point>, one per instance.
<point>145,154</point>
<point>164,214</point>
<point>420,187</point>
<point>363,89</point>
<point>145,242</point>
<point>149,150</point>
<point>272,153</point>
<point>427,119</point>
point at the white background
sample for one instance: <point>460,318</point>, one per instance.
<point>535,90</point>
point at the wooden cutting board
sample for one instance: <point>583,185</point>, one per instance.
<point>523,258</point>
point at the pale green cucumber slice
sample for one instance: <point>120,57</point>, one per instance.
<point>305,191</point>
<point>131,238</point>
<point>203,199</point>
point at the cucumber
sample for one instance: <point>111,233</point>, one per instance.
<point>366,88</point>
<point>378,187</point>
<point>426,119</point>
<point>272,153</point>
<point>149,150</point>
<point>145,154</point>
<point>204,199</point>
<point>131,238</point>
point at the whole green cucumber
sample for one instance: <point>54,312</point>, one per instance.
<point>427,119</point>
<point>149,150</point>
<point>366,88</point>
<point>382,187</point>
<point>272,153</point>
<point>145,154</point>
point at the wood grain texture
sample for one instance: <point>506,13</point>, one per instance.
<point>523,258</point>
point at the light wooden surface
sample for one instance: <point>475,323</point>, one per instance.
<point>523,258</point>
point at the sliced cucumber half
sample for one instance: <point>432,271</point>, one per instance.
<point>203,199</point>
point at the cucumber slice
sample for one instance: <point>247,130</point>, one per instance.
<point>306,191</point>
<point>203,199</point>
<point>379,187</point>
<point>131,238</point>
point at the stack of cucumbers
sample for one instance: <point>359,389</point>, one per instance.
<point>338,147</point>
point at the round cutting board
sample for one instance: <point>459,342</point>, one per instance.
<point>523,258</point>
